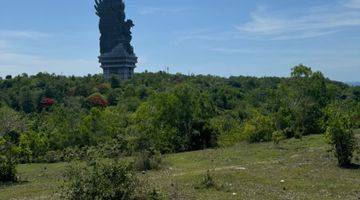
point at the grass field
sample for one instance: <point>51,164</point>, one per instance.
<point>245,171</point>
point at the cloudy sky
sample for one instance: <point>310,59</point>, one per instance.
<point>223,37</point>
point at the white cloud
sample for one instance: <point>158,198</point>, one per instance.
<point>14,63</point>
<point>355,4</point>
<point>201,34</point>
<point>314,22</point>
<point>303,35</point>
<point>266,23</point>
<point>22,34</point>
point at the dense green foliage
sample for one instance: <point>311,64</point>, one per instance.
<point>51,118</point>
<point>102,180</point>
<point>7,170</point>
<point>340,135</point>
<point>7,162</point>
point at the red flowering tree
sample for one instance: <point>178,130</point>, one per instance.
<point>47,102</point>
<point>97,100</point>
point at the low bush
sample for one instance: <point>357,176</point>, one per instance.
<point>278,136</point>
<point>7,161</point>
<point>207,182</point>
<point>104,180</point>
<point>148,160</point>
<point>114,148</point>
<point>7,170</point>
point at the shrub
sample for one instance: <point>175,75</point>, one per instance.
<point>340,135</point>
<point>207,182</point>
<point>7,161</point>
<point>110,180</point>
<point>7,170</point>
<point>229,130</point>
<point>72,154</point>
<point>259,129</point>
<point>115,147</point>
<point>277,136</point>
<point>148,160</point>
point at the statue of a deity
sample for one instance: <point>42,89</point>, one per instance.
<point>117,54</point>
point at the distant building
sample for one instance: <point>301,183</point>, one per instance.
<point>117,55</point>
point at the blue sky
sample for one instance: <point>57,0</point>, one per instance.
<point>224,37</point>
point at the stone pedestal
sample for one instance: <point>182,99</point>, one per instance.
<point>119,63</point>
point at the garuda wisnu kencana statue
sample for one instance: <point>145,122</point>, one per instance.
<point>115,39</point>
<point>113,27</point>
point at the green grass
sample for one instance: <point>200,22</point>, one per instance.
<point>245,171</point>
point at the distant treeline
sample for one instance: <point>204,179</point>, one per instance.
<point>50,118</point>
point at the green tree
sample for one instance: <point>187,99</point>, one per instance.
<point>26,100</point>
<point>259,128</point>
<point>61,127</point>
<point>300,103</point>
<point>301,71</point>
<point>115,82</point>
<point>176,120</point>
<point>113,97</point>
<point>340,135</point>
<point>33,147</point>
<point>11,124</point>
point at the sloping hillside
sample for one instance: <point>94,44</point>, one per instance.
<point>294,169</point>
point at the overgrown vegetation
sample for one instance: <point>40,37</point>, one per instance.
<point>102,180</point>
<point>49,118</point>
